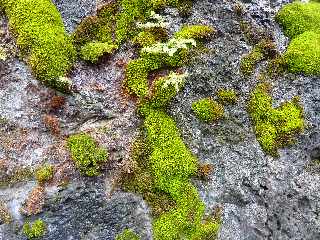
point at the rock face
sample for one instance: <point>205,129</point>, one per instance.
<point>261,197</point>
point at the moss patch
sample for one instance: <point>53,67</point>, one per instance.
<point>44,173</point>
<point>87,156</point>
<point>227,96</point>
<point>301,22</point>
<point>298,17</point>
<point>207,110</point>
<point>128,234</point>
<point>42,39</point>
<point>35,230</point>
<point>303,54</point>
<point>171,54</point>
<point>92,51</point>
<point>274,127</point>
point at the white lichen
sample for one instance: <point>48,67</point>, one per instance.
<point>175,79</point>
<point>157,21</point>
<point>170,47</point>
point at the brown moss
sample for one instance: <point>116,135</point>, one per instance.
<point>56,102</point>
<point>52,123</point>
<point>35,201</point>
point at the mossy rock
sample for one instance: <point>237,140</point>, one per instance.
<point>274,127</point>
<point>42,39</point>
<point>303,54</point>
<point>299,17</point>
<point>87,156</point>
<point>207,110</point>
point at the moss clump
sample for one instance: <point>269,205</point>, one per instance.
<point>171,54</point>
<point>207,110</point>
<point>298,17</point>
<point>41,37</point>
<point>274,127</point>
<point>94,50</point>
<point>166,88</point>
<point>36,230</point>
<point>97,28</point>
<point>44,173</point>
<point>227,96</point>
<point>128,234</point>
<point>195,31</point>
<point>265,49</point>
<point>303,54</point>
<point>301,22</point>
<point>172,164</point>
<point>86,155</point>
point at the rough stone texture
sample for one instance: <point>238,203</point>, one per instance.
<point>261,197</point>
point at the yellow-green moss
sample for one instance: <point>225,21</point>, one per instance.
<point>172,164</point>
<point>274,127</point>
<point>35,230</point>
<point>87,156</point>
<point>44,173</point>
<point>97,28</point>
<point>171,54</point>
<point>265,49</point>
<point>299,17</point>
<point>301,22</point>
<point>227,96</point>
<point>128,234</point>
<point>303,54</point>
<point>207,109</point>
<point>41,37</point>
<point>195,31</point>
<point>92,51</point>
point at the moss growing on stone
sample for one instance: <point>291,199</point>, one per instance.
<point>44,173</point>
<point>128,234</point>
<point>207,110</point>
<point>195,32</point>
<point>87,156</point>
<point>41,37</point>
<point>172,164</point>
<point>301,22</point>
<point>227,96</point>
<point>299,17</point>
<point>35,230</point>
<point>303,54</point>
<point>171,54</point>
<point>92,51</point>
<point>97,28</point>
<point>265,49</point>
<point>274,127</point>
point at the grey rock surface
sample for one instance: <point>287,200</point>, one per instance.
<point>261,197</point>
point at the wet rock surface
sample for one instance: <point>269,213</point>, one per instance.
<point>261,197</point>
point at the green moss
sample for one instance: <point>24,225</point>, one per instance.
<point>165,89</point>
<point>227,96</point>
<point>172,164</point>
<point>171,54</point>
<point>86,155</point>
<point>97,28</point>
<point>275,127</point>
<point>3,54</point>
<point>195,31</point>
<point>301,22</point>
<point>298,17</point>
<point>18,175</point>
<point>128,234</point>
<point>36,230</point>
<point>207,110</point>
<point>44,173</point>
<point>265,49</point>
<point>249,62</point>
<point>92,51</point>
<point>303,54</point>
<point>41,37</point>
